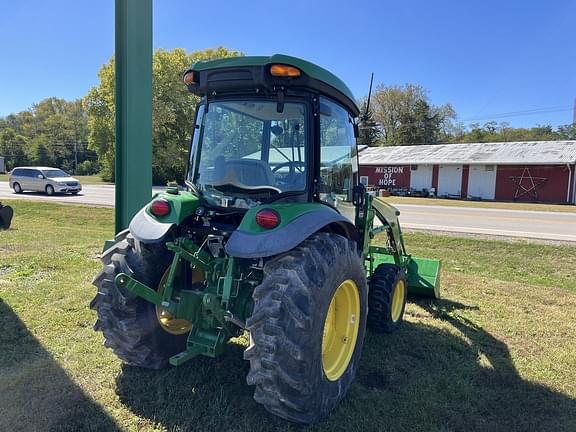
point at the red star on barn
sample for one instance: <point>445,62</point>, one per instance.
<point>527,184</point>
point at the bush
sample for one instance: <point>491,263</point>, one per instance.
<point>88,167</point>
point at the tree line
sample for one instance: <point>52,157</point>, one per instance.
<point>78,136</point>
<point>404,115</point>
<point>54,132</point>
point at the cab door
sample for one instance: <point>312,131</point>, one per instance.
<point>338,159</point>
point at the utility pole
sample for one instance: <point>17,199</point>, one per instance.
<point>133,60</point>
<point>75,156</point>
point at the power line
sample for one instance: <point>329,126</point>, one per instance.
<point>533,111</point>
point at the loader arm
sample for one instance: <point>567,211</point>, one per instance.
<point>375,216</point>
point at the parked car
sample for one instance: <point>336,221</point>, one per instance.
<point>43,179</point>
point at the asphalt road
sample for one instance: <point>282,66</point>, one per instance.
<point>510,223</point>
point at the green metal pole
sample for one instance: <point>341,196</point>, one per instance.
<point>133,108</point>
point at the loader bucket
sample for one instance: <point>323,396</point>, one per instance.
<point>424,277</point>
<point>423,274</point>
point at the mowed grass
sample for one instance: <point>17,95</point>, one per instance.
<point>498,353</point>
<point>481,204</point>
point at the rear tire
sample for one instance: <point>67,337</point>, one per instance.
<point>129,323</point>
<point>387,298</point>
<point>17,188</point>
<point>288,328</point>
<point>49,190</point>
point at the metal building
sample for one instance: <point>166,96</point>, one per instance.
<point>533,171</point>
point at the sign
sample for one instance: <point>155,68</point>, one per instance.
<point>388,176</point>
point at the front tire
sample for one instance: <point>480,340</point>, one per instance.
<point>130,324</point>
<point>387,298</point>
<point>307,328</point>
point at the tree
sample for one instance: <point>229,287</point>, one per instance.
<point>12,147</point>
<point>406,117</point>
<point>369,132</point>
<point>49,133</point>
<point>494,132</point>
<point>173,112</point>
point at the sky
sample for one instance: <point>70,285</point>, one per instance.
<point>512,61</point>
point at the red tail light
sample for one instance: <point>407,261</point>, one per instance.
<point>268,218</point>
<point>160,207</point>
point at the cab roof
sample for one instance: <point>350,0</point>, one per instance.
<point>313,74</point>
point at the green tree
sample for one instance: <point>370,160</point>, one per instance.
<point>494,132</point>
<point>173,112</point>
<point>368,129</point>
<point>12,147</point>
<point>406,117</point>
<point>50,131</point>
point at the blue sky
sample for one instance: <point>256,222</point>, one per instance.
<point>484,57</point>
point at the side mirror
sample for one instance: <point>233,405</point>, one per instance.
<point>40,176</point>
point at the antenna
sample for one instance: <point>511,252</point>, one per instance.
<point>365,117</point>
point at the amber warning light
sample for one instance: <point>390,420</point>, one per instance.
<point>281,70</point>
<point>188,78</point>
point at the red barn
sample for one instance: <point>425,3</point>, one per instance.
<point>533,171</point>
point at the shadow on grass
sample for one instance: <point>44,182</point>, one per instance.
<point>420,378</point>
<point>36,394</point>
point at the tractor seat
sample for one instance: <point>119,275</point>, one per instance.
<point>251,172</point>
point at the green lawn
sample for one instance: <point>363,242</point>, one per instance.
<point>497,354</point>
<point>481,204</point>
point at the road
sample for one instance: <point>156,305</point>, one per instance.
<point>510,223</point>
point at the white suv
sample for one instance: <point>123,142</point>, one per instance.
<point>43,179</point>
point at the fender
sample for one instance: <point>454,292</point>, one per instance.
<point>298,222</point>
<point>148,228</point>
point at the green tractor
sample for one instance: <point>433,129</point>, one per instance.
<point>273,235</point>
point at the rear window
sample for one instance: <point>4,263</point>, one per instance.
<point>17,172</point>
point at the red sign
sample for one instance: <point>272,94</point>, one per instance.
<point>387,177</point>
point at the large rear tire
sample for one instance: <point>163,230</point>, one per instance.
<point>130,324</point>
<point>307,329</point>
<point>387,298</point>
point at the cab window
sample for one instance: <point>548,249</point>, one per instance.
<point>338,162</point>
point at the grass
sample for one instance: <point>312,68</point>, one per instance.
<point>497,354</point>
<point>85,180</point>
<point>481,204</point>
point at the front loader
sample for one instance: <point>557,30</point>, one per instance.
<point>272,235</point>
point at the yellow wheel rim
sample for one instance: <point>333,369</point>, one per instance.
<point>168,323</point>
<point>340,330</point>
<point>398,300</point>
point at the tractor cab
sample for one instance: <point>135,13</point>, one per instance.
<point>270,129</point>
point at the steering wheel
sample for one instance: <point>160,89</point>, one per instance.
<point>292,176</point>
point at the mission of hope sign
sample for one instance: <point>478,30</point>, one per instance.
<point>388,178</point>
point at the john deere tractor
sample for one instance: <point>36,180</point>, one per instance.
<point>272,235</point>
